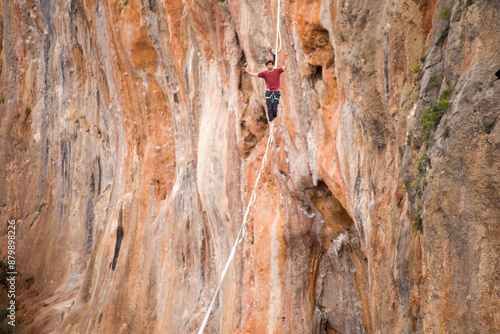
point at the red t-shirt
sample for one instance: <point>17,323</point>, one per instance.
<point>272,78</point>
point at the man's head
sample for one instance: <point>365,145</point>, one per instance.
<point>269,64</point>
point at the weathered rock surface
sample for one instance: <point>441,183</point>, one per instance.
<point>131,142</point>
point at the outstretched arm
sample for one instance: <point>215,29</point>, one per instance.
<point>284,62</point>
<point>249,73</point>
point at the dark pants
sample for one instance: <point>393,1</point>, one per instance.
<point>272,100</point>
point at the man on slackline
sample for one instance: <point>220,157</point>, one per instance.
<point>272,78</point>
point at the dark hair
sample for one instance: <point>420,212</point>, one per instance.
<point>270,61</point>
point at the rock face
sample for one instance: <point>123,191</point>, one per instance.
<point>131,142</point>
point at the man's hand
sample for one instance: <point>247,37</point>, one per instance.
<point>284,65</point>
<point>249,73</point>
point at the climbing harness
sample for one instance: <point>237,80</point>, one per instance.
<point>243,228</point>
<point>273,95</point>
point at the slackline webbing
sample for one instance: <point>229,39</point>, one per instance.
<point>242,231</point>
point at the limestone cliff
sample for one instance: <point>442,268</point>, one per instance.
<point>130,142</point>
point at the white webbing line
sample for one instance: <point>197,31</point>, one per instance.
<point>278,35</point>
<point>241,235</point>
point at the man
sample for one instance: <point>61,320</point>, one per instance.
<point>272,78</point>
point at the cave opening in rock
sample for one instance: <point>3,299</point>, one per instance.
<point>331,209</point>
<point>316,73</point>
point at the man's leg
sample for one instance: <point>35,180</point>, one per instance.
<point>269,109</point>
<point>269,105</point>
<point>276,101</point>
<point>274,110</point>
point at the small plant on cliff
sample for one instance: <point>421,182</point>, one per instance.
<point>416,189</point>
<point>27,110</point>
<point>418,221</point>
<point>2,100</point>
<point>432,116</point>
<point>408,139</point>
<point>416,69</point>
<point>422,163</point>
<point>445,14</point>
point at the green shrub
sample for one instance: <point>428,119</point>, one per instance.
<point>416,69</point>
<point>418,223</point>
<point>445,94</point>
<point>432,116</point>
<point>445,15</point>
